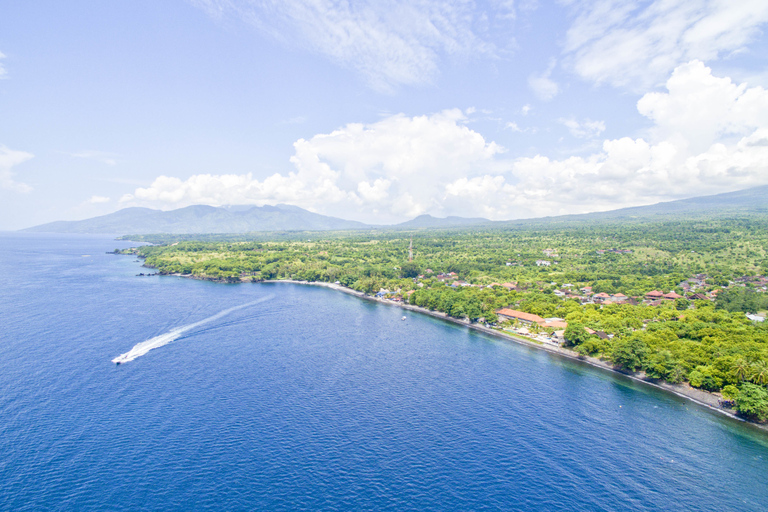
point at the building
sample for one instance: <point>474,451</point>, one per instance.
<point>521,316</point>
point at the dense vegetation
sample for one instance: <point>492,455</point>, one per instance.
<point>548,271</point>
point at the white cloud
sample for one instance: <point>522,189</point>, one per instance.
<point>636,45</point>
<point>701,108</point>
<point>98,199</point>
<point>710,136</point>
<point>98,156</point>
<point>586,129</point>
<point>515,128</point>
<point>8,159</point>
<point>400,166</point>
<point>3,72</point>
<point>543,86</point>
<point>389,42</point>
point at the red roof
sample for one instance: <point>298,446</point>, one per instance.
<point>601,295</point>
<point>654,293</point>
<point>672,295</point>
<point>520,315</point>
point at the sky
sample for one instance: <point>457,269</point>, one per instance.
<point>378,110</point>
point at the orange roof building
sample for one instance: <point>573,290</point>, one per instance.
<point>511,314</point>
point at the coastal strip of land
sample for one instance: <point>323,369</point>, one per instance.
<point>700,397</point>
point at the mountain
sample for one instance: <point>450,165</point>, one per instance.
<point>245,219</point>
<point>748,201</point>
<point>202,219</point>
<point>752,201</point>
<point>428,221</point>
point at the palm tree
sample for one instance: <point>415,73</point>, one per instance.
<point>742,369</point>
<point>760,373</point>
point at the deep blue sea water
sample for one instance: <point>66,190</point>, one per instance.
<point>311,399</point>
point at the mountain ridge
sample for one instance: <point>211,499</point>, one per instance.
<point>238,219</point>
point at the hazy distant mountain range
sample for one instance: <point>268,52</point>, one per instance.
<point>244,219</point>
<point>202,219</point>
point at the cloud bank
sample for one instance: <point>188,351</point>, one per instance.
<point>709,136</point>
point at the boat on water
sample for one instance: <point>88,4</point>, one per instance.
<point>402,318</point>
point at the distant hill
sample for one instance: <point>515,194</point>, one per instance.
<point>428,221</point>
<point>751,200</point>
<point>202,219</point>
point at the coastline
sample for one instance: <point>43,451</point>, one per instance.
<point>700,397</point>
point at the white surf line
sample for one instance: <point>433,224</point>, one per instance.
<point>158,341</point>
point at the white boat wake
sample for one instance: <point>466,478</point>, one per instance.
<point>158,341</point>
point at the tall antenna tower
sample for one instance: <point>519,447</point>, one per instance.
<point>410,251</point>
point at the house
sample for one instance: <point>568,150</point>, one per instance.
<point>511,314</point>
<point>655,294</point>
<point>600,297</point>
<point>543,263</point>
<point>600,334</point>
<point>672,296</point>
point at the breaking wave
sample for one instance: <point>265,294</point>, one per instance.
<point>158,341</point>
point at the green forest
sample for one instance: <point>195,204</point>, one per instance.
<point>604,280</point>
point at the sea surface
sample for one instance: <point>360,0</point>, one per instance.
<point>290,397</point>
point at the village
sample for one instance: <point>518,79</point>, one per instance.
<point>551,330</point>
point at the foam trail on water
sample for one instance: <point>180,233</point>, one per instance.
<point>158,341</point>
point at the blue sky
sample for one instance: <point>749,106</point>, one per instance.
<point>378,110</point>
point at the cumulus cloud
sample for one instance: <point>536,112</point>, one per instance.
<point>637,44</point>
<point>389,42</point>
<point>3,72</point>
<point>398,166</point>
<point>700,108</point>
<point>709,136</point>
<point>98,199</point>
<point>8,159</point>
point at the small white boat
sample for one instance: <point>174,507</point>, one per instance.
<point>402,318</point>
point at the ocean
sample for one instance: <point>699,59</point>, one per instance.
<point>289,397</point>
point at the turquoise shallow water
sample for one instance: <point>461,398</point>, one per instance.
<point>310,399</point>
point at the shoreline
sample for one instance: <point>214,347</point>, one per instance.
<point>705,399</point>
<point>700,397</point>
